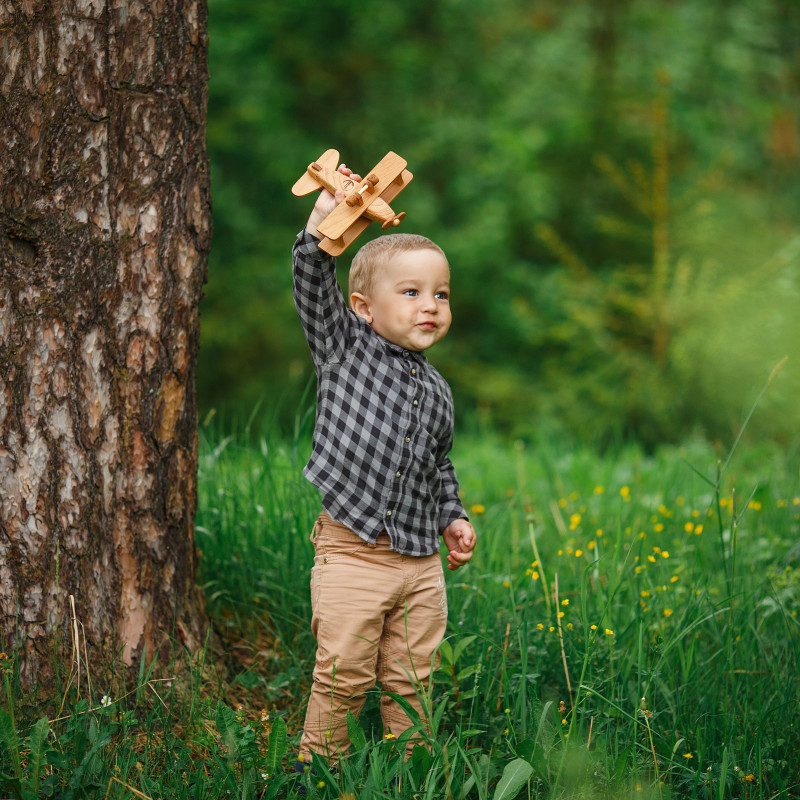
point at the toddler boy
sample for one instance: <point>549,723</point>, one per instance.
<point>384,428</point>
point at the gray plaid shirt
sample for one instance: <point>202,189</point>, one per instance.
<point>384,423</point>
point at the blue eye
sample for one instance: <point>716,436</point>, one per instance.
<point>441,295</point>
<point>411,292</point>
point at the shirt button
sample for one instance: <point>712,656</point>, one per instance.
<point>415,403</point>
<point>413,372</point>
<point>408,438</point>
<point>397,474</point>
<point>405,353</point>
<point>388,513</point>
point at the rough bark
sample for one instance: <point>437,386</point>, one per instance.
<point>104,235</point>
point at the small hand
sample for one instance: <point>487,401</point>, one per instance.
<point>459,538</point>
<point>327,202</point>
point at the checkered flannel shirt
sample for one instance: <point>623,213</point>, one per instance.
<point>384,423</point>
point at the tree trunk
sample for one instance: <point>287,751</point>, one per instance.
<point>105,226</point>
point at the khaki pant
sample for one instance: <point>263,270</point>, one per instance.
<point>359,596</point>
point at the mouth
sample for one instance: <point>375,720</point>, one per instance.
<point>427,326</point>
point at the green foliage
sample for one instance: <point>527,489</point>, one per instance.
<point>616,186</point>
<point>628,628</point>
<point>516,774</point>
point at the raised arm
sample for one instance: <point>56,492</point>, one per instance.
<point>317,296</point>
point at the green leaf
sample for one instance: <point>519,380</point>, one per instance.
<point>446,653</point>
<point>467,672</point>
<point>515,776</point>
<point>278,745</point>
<point>437,715</point>
<point>80,778</point>
<point>532,751</point>
<point>411,712</point>
<point>8,734</point>
<point>355,732</point>
<point>36,743</point>
<point>274,787</point>
<point>226,722</point>
<point>463,643</point>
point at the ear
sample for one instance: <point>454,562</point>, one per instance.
<point>360,304</point>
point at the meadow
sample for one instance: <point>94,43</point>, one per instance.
<point>627,629</point>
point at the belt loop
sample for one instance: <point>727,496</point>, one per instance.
<point>313,536</point>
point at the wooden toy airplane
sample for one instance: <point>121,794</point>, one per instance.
<point>364,202</point>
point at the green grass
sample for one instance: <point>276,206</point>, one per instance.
<point>628,628</point>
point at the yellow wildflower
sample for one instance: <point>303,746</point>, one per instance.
<point>478,509</point>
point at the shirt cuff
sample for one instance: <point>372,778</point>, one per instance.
<point>308,245</point>
<point>450,512</point>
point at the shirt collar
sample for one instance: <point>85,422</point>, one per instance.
<point>396,349</point>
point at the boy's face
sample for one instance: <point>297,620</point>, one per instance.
<point>409,303</point>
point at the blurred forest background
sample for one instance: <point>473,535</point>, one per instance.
<point>616,184</point>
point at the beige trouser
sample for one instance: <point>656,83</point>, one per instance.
<point>359,596</point>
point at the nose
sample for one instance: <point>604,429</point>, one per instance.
<point>429,304</point>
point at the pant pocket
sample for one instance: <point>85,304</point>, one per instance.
<point>334,540</point>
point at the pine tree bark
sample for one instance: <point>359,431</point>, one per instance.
<point>105,226</point>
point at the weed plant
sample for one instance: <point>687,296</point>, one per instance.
<point>628,628</point>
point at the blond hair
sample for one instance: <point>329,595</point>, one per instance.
<point>374,255</point>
